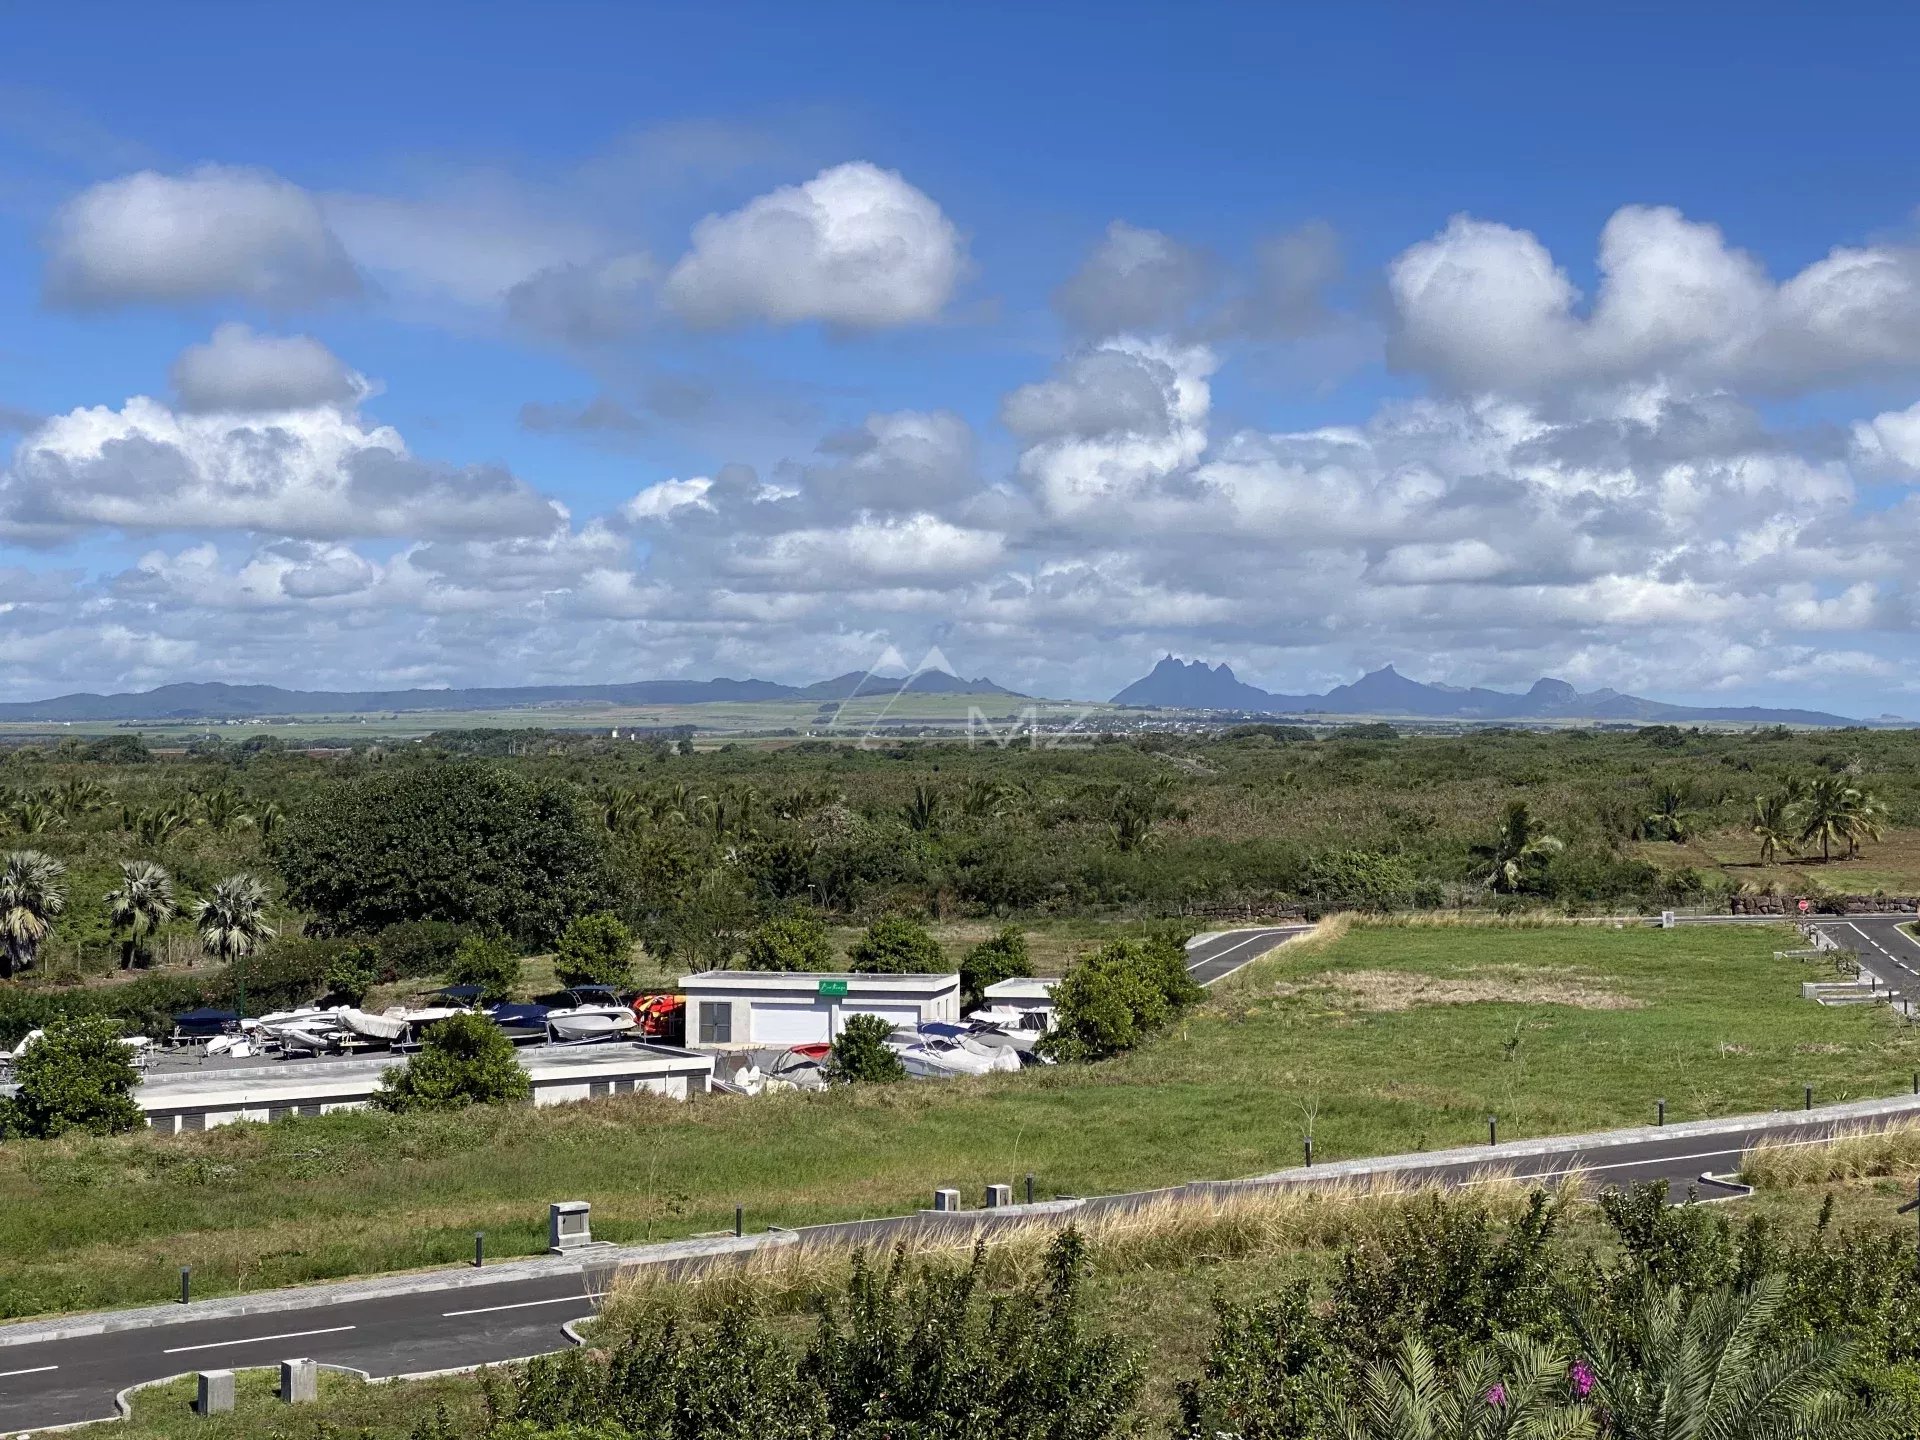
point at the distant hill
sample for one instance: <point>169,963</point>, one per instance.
<point>213,700</point>
<point>1195,685</point>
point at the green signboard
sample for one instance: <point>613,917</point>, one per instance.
<point>833,987</point>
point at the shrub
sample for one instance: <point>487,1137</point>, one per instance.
<point>414,948</point>
<point>454,840</point>
<point>352,974</point>
<point>790,942</point>
<point>595,950</point>
<point>77,1076</point>
<point>465,1060</point>
<point>894,945</point>
<point>861,1053</point>
<point>1359,880</point>
<point>1117,997</point>
<point>1001,957</point>
<point>489,962</point>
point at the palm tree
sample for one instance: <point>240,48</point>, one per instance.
<point>31,898</point>
<point>33,814</point>
<point>154,828</point>
<point>1672,815</point>
<point>1771,823</point>
<point>142,904</point>
<point>1677,1368</point>
<point>267,819</point>
<point>232,921</point>
<point>1864,817</point>
<point>1518,843</point>
<point>922,812</point>
<point>1513,1389</point>
<point>221,809</point>
<point>77,797</point>
<point>1826,813</point>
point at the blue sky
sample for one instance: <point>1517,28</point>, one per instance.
<point>527,343</point>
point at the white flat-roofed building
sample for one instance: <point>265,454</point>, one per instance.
<point>767,1010</point>
<point>198,1099</point>
<point>1022,993</point>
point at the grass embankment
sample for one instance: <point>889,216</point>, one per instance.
<point>1156,1276</point>
<point>1387,1038</point>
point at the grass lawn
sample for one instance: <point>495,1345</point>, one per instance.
<point>1390,1038</point>
<point>1891,864</point>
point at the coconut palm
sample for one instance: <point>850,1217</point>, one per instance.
<point>138,908</point>
<point>233,921</point>
<point>1771,823</point>
<point>1672,817</point>
<point>1865,817</point>
<point>1513,1389</point>
<point>1679,1368</point>
<point>922,811</point>
<point>31,899</point>
<point>1827,812</point>
<point>1519,843</point>
<point>267,819</point>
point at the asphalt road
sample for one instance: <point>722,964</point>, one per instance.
<point>1882,946</point>
<point>65,1381</point>
<point>1219,957</point>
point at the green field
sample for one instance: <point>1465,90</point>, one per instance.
<point>1508,1021</point>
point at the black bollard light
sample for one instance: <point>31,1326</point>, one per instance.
<point>739,1221</point>
<point>1662,1104</point>
<point>186,1284</point>
<point>479,1248</point>
<point>1309,1150</point>
<point>1029,1189</point>
<point>1493,1130</point>
<point>1809,1097</point>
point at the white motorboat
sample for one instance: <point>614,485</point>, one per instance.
<point>934,1057</point>
<point>579,1023</point>
<point>234,1047</point>
<point>385,1028</point>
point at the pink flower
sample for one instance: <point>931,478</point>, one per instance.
<point>1583,1378</point>
<point>1497,1395</point>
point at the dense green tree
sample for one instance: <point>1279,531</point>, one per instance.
<point>861,1054</point>
<point>999,957</point>
<point>79,1075</point>
<point>788,942</point>
<point>138,907</point>
<point>1108,1003</point>
<point>463,841</point>
<point>489,961</point>
<point>894,945</point>
<point>352,973</point>
<point>33,894</point>
<point>465,1060</point>
<point>594,949</point>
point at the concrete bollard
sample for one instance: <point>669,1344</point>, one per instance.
<point>569,1226</point>
<point>215,1393</point>
<point>946,1200</point>
<point>999,1195</point>
<point>299,1381</point>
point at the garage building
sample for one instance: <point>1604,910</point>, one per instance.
<point>756,1010</point>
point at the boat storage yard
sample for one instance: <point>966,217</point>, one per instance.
<point>200,1096</point>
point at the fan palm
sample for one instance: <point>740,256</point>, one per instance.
<point>31,899</point>
<point>1519,843</point>
<point>1687,1369</point>
<point>233,920</point>
<point>138,908</point>
<point>1771,823</point>
<point>1513,1389</point>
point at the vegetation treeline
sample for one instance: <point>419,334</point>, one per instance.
<point>116,856</point>
<point>1442,1322</point>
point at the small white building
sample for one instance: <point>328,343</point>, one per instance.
<point>761,1010</point>
<point>1024,994</point>
<point>201,1099</point>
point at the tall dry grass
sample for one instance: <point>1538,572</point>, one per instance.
<point>1162,1234</point>
<point>1892,1149</point>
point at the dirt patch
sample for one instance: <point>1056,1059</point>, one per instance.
<point>1486,984</point>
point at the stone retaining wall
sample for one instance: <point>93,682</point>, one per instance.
<point>1789,905</point>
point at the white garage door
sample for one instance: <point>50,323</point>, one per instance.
<point>903,1017</point>
<point>788,1024</point>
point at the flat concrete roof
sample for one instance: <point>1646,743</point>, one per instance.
<point>1022,987</point>
<point>808,981</point>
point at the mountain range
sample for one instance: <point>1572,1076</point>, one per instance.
<point>214,700</point>
<point>1195,685</point>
